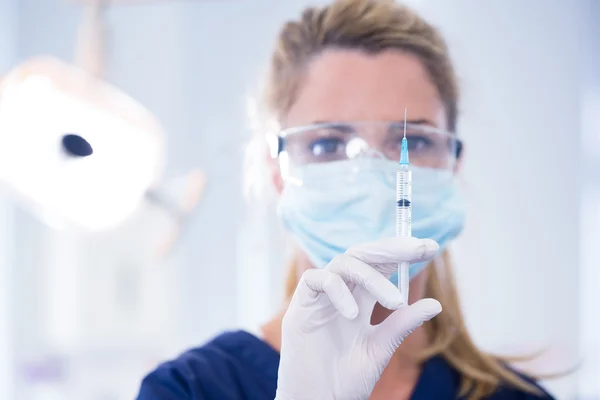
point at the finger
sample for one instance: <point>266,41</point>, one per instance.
<point>355,271</point>
<point>315,282</point>
<point>392,332</point>
<point>394,250</point>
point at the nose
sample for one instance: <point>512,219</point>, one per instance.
<point>373,140</point>
<point>372,153</point>
<point>76,146</point>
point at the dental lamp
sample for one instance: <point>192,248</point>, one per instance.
<point>78,150</point>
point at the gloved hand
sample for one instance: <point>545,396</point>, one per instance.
<point>329,349</point>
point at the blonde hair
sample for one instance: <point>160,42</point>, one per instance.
<point>373,26</point>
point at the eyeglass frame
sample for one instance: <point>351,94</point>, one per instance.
<point>276,141</point>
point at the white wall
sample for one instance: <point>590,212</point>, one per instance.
<point>7,376</point>
<point>189,62</point>
<point>590,213</point>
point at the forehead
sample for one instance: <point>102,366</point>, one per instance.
<point>349,85</point>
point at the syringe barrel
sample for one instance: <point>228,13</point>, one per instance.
<point>403,202</point>
<point>403,224</point>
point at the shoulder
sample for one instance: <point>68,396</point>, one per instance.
<point>511,393</point>
<point>232,365</point>
<point>440,380</point>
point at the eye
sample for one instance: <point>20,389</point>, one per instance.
<point>324,147</point>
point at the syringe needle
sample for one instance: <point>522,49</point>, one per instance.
<point>405,123</point>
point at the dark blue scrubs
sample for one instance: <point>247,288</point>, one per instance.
<point>240,366</point>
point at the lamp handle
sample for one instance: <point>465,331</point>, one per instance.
<point>194,189</point>
<point>89,53</point>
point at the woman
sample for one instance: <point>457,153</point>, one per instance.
<point>341,78</point>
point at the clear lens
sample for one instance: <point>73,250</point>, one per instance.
<point>330,142</point>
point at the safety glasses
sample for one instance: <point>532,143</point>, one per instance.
<point>331,142</point>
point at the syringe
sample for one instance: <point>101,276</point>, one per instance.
<point>403,211</point>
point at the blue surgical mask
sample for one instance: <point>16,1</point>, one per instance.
<point>344,203</point>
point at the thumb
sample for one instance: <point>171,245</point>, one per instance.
<point>391,333</point>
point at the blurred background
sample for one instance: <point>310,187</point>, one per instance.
<point>84,314</point>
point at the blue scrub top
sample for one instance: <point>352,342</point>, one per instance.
<point>238,365</point>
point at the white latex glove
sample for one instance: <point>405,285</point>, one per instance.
<point>329,349</point>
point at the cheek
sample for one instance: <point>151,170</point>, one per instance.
<point>275,173</point>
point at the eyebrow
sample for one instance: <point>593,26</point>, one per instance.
<point>421,121</point>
